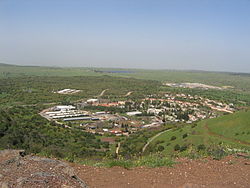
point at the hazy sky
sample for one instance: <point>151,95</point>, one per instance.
<point>159,34</point>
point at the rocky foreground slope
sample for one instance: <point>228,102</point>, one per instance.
<point>19,171</point>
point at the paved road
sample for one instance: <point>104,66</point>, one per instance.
<point>151,139</point>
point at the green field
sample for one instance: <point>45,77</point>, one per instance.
<point>232,131</point>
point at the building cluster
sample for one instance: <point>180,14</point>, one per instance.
<point>153,111</point>
<point>192,85</point>
<point>105,103</point>
<point>63,111</point>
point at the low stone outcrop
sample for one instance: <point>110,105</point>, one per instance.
<point>18,170</point>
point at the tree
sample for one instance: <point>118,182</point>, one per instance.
<point>173,138</point>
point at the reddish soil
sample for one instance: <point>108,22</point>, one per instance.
<point>230,172</point>
<point>20,171</point>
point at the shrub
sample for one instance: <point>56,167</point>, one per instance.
<point>177,147</point>
<point>159,142</point>
<point>183,148</point>
<point>173,138</point>
<point>161,148</point>
<point>217,152</point>
<point>154,161</point>
<point>185,135</point>
<point>121,162</point>
<point>194,125</point>
<point>201,147</point>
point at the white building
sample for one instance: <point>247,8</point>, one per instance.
<point>65,107</point>
<point>133,113</point>
<point>91,101</point>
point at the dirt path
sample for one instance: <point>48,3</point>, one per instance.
<point>230,172</point>
<point>129,93</point>
<point>102,93</point>
<point>151,139</point>
<point>118,148</point>
<point>225,138</point>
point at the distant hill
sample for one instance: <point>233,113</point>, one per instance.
<point>4,64</point>
<point>240,81</point>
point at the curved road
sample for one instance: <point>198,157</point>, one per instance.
<point>129,93</point>
<point>102,93</point>
<point>154,137</point>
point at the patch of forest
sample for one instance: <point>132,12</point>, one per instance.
<point>23,128</point>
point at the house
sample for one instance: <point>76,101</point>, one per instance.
<point>116,131</point>
<point>154,111</point>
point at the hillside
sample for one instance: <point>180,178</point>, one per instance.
<point>230,131</point>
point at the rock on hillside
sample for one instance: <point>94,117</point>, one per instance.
<point>20,171</point>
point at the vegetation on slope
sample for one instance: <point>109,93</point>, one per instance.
<point>23,128</point>
<point>228,133</point>
<point>25,90</point>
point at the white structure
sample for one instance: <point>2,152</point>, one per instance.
<point>65,107</point>
<point>100,113</point>
<point>133,113</point>
<point>154,111</point>
<point>68,91</point>
<point>92,101</point>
